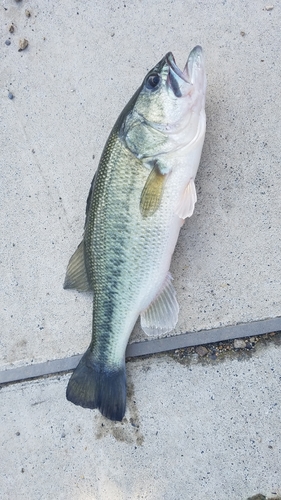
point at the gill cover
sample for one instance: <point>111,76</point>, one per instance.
<point>163,106</point>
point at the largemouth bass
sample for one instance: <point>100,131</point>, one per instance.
<point>140,195</point>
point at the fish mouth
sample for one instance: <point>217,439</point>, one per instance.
<point>180,81</point>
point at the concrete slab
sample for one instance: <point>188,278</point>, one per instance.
<point>82,62</point>
<point>193,429</point>
<point>256,329</point>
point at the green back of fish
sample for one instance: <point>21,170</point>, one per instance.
<point>113,235</point>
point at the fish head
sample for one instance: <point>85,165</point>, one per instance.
<point>167,110</point>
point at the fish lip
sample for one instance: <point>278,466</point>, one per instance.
<point>194,64</point>
<point>180,81</point>
<point>174,68</point>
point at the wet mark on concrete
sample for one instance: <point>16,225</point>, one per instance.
<point>260,496</point>
<point>133,412</point>
<point>129,430</point>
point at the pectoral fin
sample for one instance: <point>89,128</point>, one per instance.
<point>187,201</point>
<point>162,314</point>
<point>76,273</point>
<point>152,192</point>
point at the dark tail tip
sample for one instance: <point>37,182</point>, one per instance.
<point>94,385</point>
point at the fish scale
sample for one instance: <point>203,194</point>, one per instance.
<point>140,195</point>
<point>118,275</point>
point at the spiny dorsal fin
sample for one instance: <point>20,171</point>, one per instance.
<point>162,314</point>
<point>76,274</point>
<point>187,201</point>
<point>89,199</point>
<point>152,192</point>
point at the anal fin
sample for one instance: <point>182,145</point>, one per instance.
<point>76,273</point>
<point>162,314</point>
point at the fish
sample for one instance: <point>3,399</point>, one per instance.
<point>141,193</point>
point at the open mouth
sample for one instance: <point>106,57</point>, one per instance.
<point>180,81</point>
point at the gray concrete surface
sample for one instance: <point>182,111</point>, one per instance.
<point>84,60</point>
<point>193,429</point>
<point>208,431</point>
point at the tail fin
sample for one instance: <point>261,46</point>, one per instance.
<point>94,385</point>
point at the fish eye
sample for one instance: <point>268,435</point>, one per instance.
<point>152,81</point>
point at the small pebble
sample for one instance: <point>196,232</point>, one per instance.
<point>27,13</point>
<point>8,42</point>
<point>213,356</point>
<point>268,7</point>
<point>11,28</point>
<point>23,43</point>
<point>201,350</point>
<point>239,344</point>
<point>10,95</point>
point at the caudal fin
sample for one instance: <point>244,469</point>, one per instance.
<point>93,385</point>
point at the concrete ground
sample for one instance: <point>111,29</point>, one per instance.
<point>196,430</point>
<point>193,430</point>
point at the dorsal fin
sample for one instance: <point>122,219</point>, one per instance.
<point>89,199</point>
<point>76,273</point>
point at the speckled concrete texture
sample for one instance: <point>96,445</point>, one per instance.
<point>83,61</point>
<point>193,430</point>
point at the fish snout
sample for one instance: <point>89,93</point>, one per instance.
<point>193,75</point>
